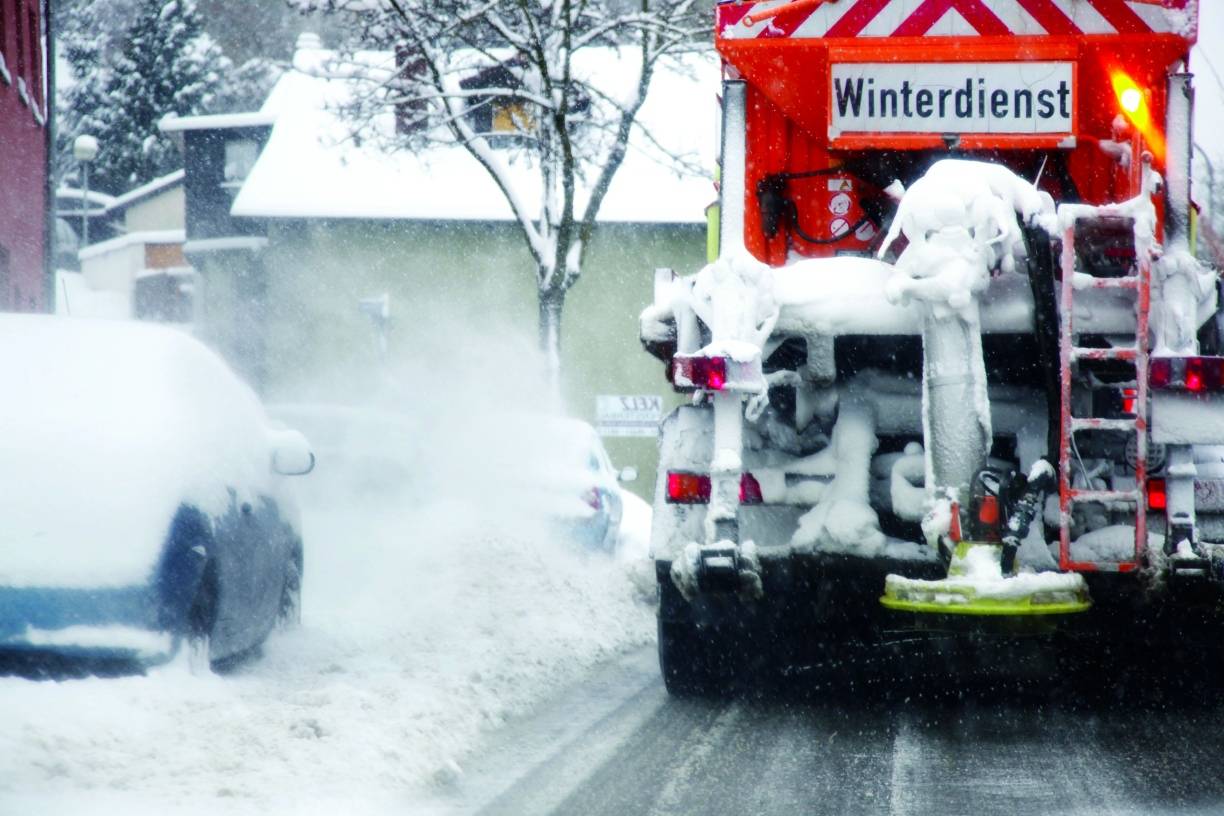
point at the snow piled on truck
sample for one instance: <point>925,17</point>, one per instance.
<point>983,580</point>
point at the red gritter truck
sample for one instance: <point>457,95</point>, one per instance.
<point>956,364</point>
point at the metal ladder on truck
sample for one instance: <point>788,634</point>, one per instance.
<point>1140,283</point>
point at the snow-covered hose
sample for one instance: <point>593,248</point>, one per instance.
<point>956,442</point>
<point>1024,509</point>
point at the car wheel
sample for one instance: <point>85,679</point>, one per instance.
<point>201,619</point>
<point>290,613</point>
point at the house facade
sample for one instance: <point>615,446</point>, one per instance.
<point>23,160</point>
<point>229,290</point>
<point>138,268</point>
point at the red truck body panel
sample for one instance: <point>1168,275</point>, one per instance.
<point>926,59</point>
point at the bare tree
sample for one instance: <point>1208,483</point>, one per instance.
<point>520,81</point>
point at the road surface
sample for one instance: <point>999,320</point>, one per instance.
<point>618,744</point>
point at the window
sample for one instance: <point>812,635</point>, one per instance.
<point>512,116</point>
<point>240,156</point>
<point>505,118</point>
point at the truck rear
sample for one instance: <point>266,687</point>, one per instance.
<point>955,359</point>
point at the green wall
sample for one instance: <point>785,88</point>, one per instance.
<point>601,351</point>
<point>463,298</point>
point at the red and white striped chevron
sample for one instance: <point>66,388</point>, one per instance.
<point>962,18</point>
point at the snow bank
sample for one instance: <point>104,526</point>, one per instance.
<point>633,544</point>
<point>634,539</point>
<point>106,428</point>
<point>74,297</point>
<point>423,628</point>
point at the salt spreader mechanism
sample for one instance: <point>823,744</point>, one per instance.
<point>957,345</point>
<point>982,578</point>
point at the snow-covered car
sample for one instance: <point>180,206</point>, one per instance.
<point>143,496</point>
<point>601,492</point>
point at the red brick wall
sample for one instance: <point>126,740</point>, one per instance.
<point>23,160</point>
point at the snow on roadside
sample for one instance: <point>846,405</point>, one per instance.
<point>633,545</point>
<point>423,628</point>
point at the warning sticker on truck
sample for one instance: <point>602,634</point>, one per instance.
<point>957,97</point>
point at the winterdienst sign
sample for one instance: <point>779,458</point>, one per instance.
<point>956,97</point>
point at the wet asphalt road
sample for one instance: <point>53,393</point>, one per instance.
<point>620,745</point>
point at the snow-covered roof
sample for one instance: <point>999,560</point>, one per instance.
<point>216,121</point>
<point>252,243</point>
<point>310,168</point>
<point>131,238</point>
<point>147,189</point>
<point>109,204</point>
<point>104,201</point>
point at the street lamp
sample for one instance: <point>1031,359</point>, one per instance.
<point>84,150</point>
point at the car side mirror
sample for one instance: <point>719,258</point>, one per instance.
<point>291,453</point>
<point>627,474</point>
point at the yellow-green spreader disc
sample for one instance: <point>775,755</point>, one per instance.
<point>975,585</point>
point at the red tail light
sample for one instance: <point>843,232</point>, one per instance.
<point>593,498</point>
<point>695,488</point>
<point>1129,398</point>
<point>1193,378</point>
<point>1158,497</point>
<point>713,373</point>
<point>750,490</point>
<point>1197,375</point>
<point>688,488</point>
<point>702,372</point>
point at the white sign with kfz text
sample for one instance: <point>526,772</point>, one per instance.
<point>955,97</point>
<point>628,415</point>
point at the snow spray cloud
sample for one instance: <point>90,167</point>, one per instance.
<point>455,416</point>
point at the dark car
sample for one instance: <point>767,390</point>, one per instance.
<point>142,494</point>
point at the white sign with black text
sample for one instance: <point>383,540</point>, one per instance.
<point>628,415</point>
<point>955,97</point>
